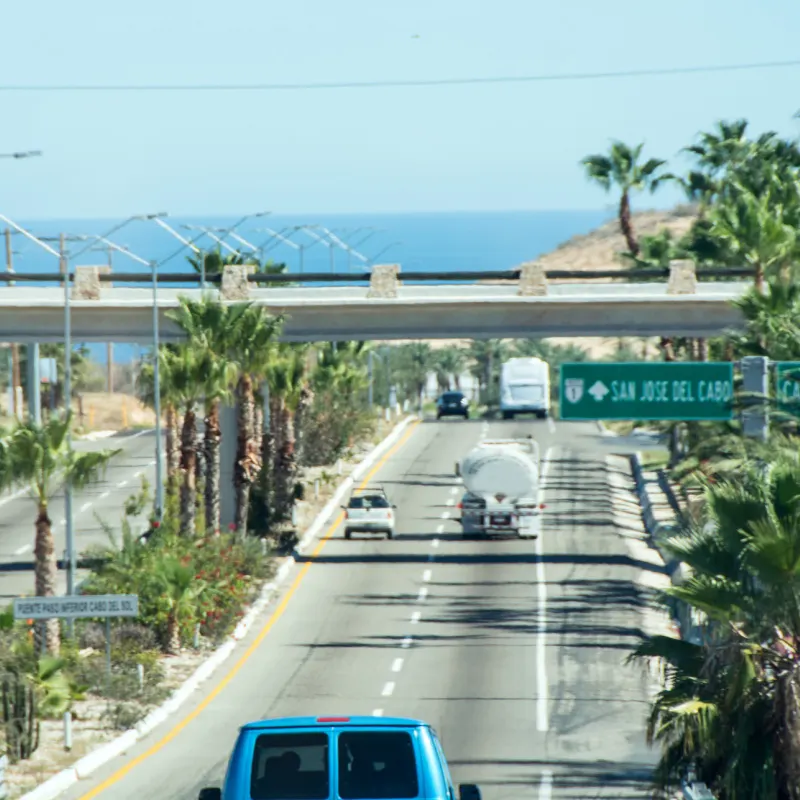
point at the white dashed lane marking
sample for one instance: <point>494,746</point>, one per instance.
<point>388,689</point>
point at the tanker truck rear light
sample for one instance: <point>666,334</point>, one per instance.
<point>542,505</point>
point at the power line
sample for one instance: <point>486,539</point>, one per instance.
<point>388,84</point>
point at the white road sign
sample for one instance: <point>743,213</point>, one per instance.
<point>79,606</point>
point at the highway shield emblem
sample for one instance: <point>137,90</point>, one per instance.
<point>573,389</point>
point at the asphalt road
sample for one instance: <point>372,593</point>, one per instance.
<point>105,498</point>
<point>512,649</point>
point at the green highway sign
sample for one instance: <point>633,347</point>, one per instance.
<point>787,383</point>
<point>674,390</point>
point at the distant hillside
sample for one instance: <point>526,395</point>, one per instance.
<point>600,248</point>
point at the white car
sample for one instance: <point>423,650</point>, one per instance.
<point>369,512</point>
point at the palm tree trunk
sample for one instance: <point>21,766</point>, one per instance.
<point>173,450</point>
<point>667,348</point>
<point>303,407</point>
<point>266,477</point>
<point>247,465</point>
<point>284,488</point>
<point>702,349</point>
<point>213,437</point>
<point>626,225</point>
<point>189,473</point>
<point>172,643</point>
<point>47,632</point>
<point>787,733</point>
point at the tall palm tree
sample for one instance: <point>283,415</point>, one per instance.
<point>209,325</point>
<point>449,363</point>
<point>730,707</point>
<point>486,356</point>
<point>621,168</point>
<point>288,379</point>
<point>40,458</point>
<point>251,347</point>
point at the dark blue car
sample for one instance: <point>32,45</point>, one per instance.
<point>338,758</point>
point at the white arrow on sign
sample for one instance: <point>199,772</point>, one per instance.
<point>599,390</point>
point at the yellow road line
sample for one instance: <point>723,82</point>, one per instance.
<point>275,616</point>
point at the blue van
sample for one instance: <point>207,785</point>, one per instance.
<point>338,758</point>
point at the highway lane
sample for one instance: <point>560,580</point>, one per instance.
<point>105,498</point>
<point>448,630</point>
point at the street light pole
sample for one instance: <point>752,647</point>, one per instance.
<point>159,510</point>
<point>71,555</point>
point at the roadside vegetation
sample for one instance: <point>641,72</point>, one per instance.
<point>299,407</point>
<point>729,711</point>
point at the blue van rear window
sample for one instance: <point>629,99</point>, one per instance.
<point>377,765</point>
<point>290,766</point>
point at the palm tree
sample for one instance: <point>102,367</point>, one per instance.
<point>449,363</point>
<point>209,325</point>
<point>487,355</point>
<point>288,379</point>
<point>757,232</point>
<point>40,457</point>
<point>621,168</point>
<point>251,348</point>
<point>730,706</point>
<point>180,590</point>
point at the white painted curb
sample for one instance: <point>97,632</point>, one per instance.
<point>62,781</point>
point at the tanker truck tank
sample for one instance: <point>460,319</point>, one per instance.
<point>501,479</point>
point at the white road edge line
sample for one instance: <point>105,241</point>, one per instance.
<point>24,549</point>
<point>388,689</point>
<point>426,576</point>
<point>551,425</point>
<point>546,785</point>
<point>415,617</point>
<point>378,712</point>
<point>541,637</point>
<point>397,665</point>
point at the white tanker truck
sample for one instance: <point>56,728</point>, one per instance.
<point>501,479</point>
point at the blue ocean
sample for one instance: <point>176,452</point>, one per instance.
<point>440,242</point>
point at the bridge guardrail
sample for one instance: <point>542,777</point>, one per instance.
<point>648,274</point>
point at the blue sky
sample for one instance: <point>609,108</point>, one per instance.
<point>490,147</point>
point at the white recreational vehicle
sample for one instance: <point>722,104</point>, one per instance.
<point>525,387</point>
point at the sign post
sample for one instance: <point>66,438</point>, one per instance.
<point>675,390</point>
<point>78,607</point>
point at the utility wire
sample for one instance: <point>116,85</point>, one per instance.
<point>387,84</point>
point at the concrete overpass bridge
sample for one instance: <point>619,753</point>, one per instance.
<point>521,303</point>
